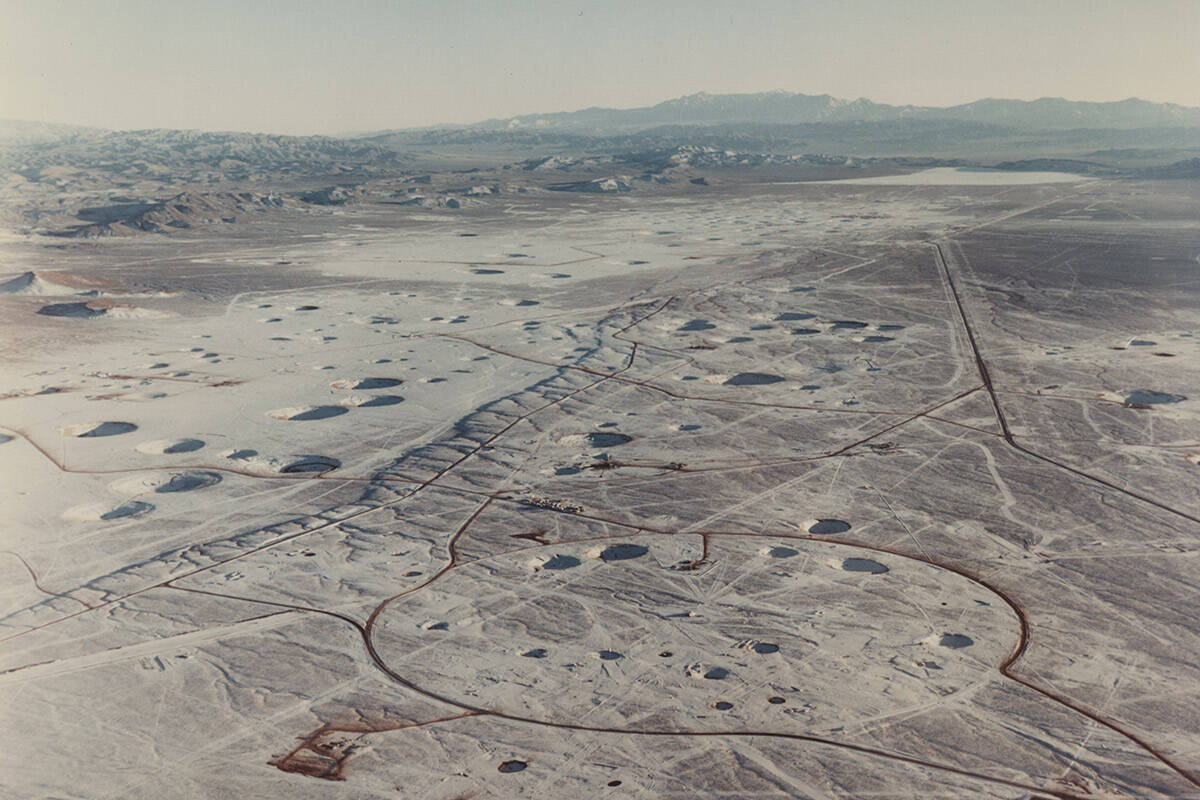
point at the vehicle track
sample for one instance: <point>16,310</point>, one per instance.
<point>1007,435</point>
<point>1002,420</point>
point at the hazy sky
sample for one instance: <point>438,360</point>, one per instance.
<point>305,66</point>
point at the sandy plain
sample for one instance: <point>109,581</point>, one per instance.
<point>770,490</point>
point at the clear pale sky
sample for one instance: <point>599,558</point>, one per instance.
<point>309,66</point>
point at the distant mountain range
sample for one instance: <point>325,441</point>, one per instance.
<point>1129,134</point>
<point>788,108</point>
<point>776,108</point>
<point>33,150</point>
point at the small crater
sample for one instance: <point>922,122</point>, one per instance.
<point>315,464</point>
<point>623,552</point>
<point>366,384</point>
<point>188,482</point>
<point>848,325</point>
<point>537,652</point>
<point>376,401</point>
<point>706,671</point>
<point>609,655</point>
<point>561,562</point>
<point>825,527</point>
<point>1149,397</point>
<point>84,310</point>
<point>752,379</point>
<point>133,508</point>
<point>776,700</point>
<point>722,705</point>
<point>512,765</point>
<point>594,439</point>
<point>955,641</point>
<point>307,413</point>
<point>864,565</point>
<point>170,446</point>
<point>305,308</point>
<point>96,429</point>
<point>102,512</point>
